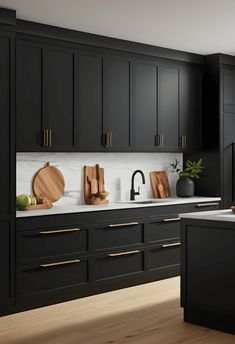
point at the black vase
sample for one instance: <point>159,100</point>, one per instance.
<point>185,187</point>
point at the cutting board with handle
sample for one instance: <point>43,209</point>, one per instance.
<point>94,193</point>
<point>160,184</point>
<point>48,184</point>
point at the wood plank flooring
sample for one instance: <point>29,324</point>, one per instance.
<point>146,314</point>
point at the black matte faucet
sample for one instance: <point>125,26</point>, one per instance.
<point>133,193</point>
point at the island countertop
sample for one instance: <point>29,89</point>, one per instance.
<point>213,215</point>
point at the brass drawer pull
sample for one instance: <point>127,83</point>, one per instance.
<point>60,263</point>
<point>110,139</point>
<point>50,137</point>
<point>44,138</point>
<point>106,140</point>
<point>201,205</point>
<point>60,231</point>
<point>172,219</point>
<point>175,244</point>
<point>123,253</point>
<point>123,224</point>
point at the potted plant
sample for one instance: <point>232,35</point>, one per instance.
<point>185,183</point>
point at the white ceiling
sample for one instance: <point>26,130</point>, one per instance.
<point>200,26</point>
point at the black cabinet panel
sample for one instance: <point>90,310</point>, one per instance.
<point>123,235</point>
<point>229,89</point>
<point>28,95</point>
<point>5,139</point>
<point>210,266</point>
<point>116,102</point>
<point>229,160</point>
<point>144,105</point>
<point>31,279</point>
<point>33,245</point>
<point>164,256</point>
<point>5,261</point>
<point>58,96</point>
<point>190,108</point>
<point>160,230</point>
<point>90,120</point>
<point>115,266</point>
<point>168,107</point>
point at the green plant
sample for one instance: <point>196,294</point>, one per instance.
<point>192,169</point>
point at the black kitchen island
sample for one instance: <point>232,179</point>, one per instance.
<point>208,269</point>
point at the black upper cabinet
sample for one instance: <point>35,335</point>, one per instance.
<point>190,108</point>
<point>58,97</point>
<point>28,96</point>
<point>144,106</point>
<point>116,103</point>
<point>168,108</point>
<point>229,89</point>
<point>90,119</point>
<point>45,97</point>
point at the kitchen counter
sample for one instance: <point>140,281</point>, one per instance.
<point>214,215</point>
<point>59,209</point>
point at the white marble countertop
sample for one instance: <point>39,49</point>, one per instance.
<point>56,209</point>
<point>214,215</point>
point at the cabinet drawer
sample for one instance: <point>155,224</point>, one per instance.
<point>118,234</point>
<point>48,243</point>
<point>164,255</point>
<point>164,229</point>
<point>32,279</point>
<point>119,264</point>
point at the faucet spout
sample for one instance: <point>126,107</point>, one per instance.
<point>133,193</point>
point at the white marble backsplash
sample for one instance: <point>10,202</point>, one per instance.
<point>118,170</point>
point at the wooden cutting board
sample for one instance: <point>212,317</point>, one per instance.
<point>48,184</point>
<point>93,174</point>
<point>160,184</point>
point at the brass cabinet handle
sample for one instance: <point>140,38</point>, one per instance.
<point>69,230</point>
<point>50,137</point>
<point>44,138</point>
<point>66,262</point>
<point>185,141</point>
<point>172,219</point>
<point>123,253</point>
<point>162,140</point>
<point>181,142</point>
<point>201,205</point>
<point>123,224</point>
<point>107,140</point>
<point>110,139</point>
<point>47,137</point>
<point>175,244</point>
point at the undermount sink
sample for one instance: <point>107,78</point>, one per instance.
<point>147,201</point>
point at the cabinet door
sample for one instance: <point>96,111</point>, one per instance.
<point>28,96</point>
<point>145,106</point>
<point>229,89</point>
<point>229,160</point>
<point>168,108</point>
<point>190,108</point>
<point>116,103</point>
<point>210,267</point>
<point>59,110</point>
<point>5,260</point>
<point>90,118</point>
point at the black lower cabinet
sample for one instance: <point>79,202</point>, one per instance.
<point>63,257</point>
<point>5,263</point>
<point>208,282</point>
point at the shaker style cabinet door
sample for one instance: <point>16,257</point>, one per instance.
<point>45,97</point>
<point>190,108</point>
<point>116,103</point>
<point>59,107</point>
<point>168,108</point>
<point>28,96</point>
<point>144,106</point>
<point>90,118</point>
<point>229,89</point>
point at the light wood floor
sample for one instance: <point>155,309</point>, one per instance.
<point>146,314</point>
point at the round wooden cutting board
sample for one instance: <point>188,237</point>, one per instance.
<point>48,183</point>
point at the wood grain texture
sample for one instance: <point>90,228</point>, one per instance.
<point>48,183</point>
<point>160,184</point>
<point>146,314</point>
<point>94,185</point>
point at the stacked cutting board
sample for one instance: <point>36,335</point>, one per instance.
<point>94,192</point>
<point>160,184</point>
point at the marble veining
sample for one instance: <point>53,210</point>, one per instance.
<point>118,170</point>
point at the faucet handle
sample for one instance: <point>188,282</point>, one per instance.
<point>138,192</point>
